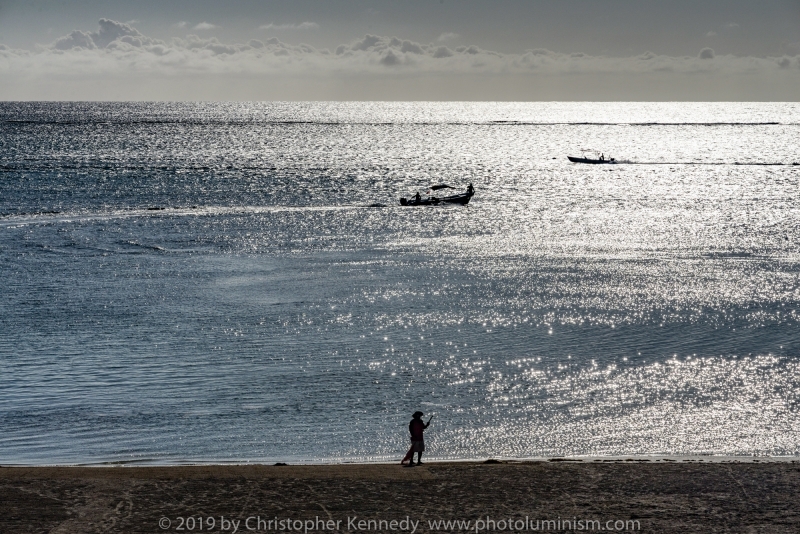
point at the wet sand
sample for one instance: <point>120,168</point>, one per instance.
<point>660,496</point>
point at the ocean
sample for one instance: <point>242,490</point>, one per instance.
<point>237,282</point>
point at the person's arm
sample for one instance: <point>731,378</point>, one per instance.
<point>429,422</point>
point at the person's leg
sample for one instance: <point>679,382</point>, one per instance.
<point>419,458</point>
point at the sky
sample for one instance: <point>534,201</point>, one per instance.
<point>519,50</point>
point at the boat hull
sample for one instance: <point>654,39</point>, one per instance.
<point>462,199</point>
<point>591,161</point>
<point>422,202</point>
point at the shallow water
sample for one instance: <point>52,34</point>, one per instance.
<point>207,282</point>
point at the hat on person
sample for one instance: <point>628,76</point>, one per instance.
<point>417,414</point>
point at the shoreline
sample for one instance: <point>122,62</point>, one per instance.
<point>696,458</point>
<point>660,496</point>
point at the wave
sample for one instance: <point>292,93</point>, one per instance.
<point>715,163</point>
<point>250,122</point>
<point>55,162</point>
<point>524,123</point>
<point>136,244</point>
<point>8,220</point>
<point>198,122</point>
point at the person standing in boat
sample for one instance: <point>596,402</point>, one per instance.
<point>470,189</point>
<point>602,156</point>
<point>417,198</point>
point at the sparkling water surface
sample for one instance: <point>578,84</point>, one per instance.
<point>237,282</point>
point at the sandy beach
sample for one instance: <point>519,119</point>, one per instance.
<point>646,496</point>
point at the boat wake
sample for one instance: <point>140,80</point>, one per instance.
<point>11,220</point>
<point>713,163</point>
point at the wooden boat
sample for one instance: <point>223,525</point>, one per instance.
<point>588,160</point>
<point>460,198</point>
<point>429,201</point>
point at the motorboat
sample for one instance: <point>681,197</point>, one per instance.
<point>426,201</point>
<point>462,198</point>
<point>590,160</point>
<point>431,200</point>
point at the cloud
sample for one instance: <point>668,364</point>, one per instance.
<point>301,26</point>
<point>118,53</point>
<point>711,34</point>
<point>706,53</point>
<point>412,48</point>
<point>472,50</point>
<point>442,51</point>
<point>110,31</point>
<point>731,26</point>
<point>368,42</point>
<point>76,39</point>
<point>181,24</point>
<point>390,58</point>
<point>204,26</point>
<point>446,37</point>
<point>116,41</point>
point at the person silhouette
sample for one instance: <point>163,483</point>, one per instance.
<point>417,198</point>
<point>470,189</point>
<point>416,427</point>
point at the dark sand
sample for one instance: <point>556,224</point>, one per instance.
<point>663,496</point>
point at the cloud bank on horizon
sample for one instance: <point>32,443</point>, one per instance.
<point>116,61</point>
